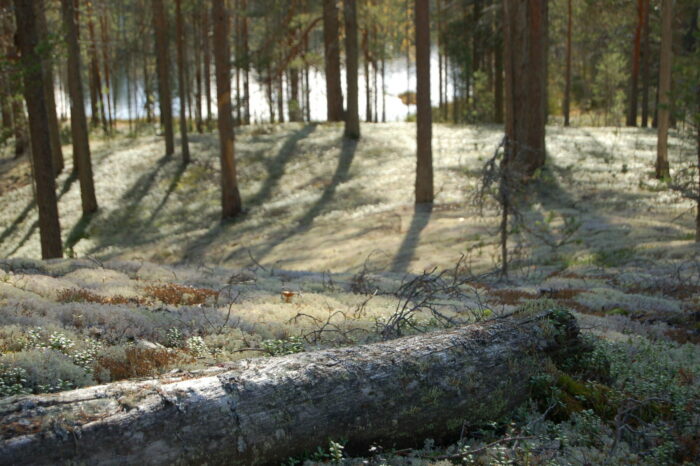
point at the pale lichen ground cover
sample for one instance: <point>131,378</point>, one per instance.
<point>158,275</point>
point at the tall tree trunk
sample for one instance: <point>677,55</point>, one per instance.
<point>662,168</point>
<point>109,92</point>
<point>567,86</point>
<point>498,78</point>
<point>98,106</point>
<point>199,122</point>
<point>207,63</point>
<point>266,410</point>
<point>525,68</point>
<point>634,78</point>
<point>48,81</point>
<point>384,86</point>
<point>352,114</point>
<point>182,82</point>
<point>368,92</point>
<point>424,166</point>
<point>280,97</point>
<point>295,96</point>
<point>230,197</point>
<point>28,40</point>
<point>438,44</point>
<point>646,63</point>
<point>78,121</point>
<point>238,51</point>
<point>246,62</point>
<point>163,71</point>
<point>331,48</point>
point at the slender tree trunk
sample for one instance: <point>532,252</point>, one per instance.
<point>294,97</point>
<point>280,97</point>
<point>207,63</point>
<point>48,81</point>
<point>237,60</point>
<point>498,78</point>
<point>182,82</point>
<point>246,62</point>
<point>78,120</point>
<point>384,86</point>
<point>266,410</point>
<point>634,78</point>
<point>525,57</point>
<point>424,166</point>
<point>368,92</point>
<point>331,47</point>
<point>197,36</point>
<point>567,86</point>
<point>28,38</point>
<point>352,115</point>
<point>662,168</point>
<point>163,71</point>
<point>438,44</point>
<point>646,63</point>
<point>109,92</point>
<point>230,197</point>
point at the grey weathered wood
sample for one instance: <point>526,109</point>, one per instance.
<point>264,410</point>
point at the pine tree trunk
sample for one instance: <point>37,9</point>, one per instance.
<point>50,98</point>
<point>352,114</point>
<point>28,40</point>
<point>266,410</point>
<point>230,197</point>
<point>567,86</point>
<point>78,120</point>
<point>207,63</point>
<point>246,63</point>
<point>634,77</point>
<point>646,63</point>
<point>368,92</point>
<point>662,168</point>
<point>182,82</point>
<point>525,69</point>
<point>163,71</point>
<point>199,120</point>
<point>424,166</point>
<point>331,47</point>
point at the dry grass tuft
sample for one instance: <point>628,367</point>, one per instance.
<point>138,362</point>
<point>77,295</point>
<point>180,295</point>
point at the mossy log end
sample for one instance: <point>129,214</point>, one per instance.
<point>264,410</point>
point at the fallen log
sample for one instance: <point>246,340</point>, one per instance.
<point>265,410</point>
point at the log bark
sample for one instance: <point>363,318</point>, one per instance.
<point>264,410</point>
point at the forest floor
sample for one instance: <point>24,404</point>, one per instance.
<point>328,238</point>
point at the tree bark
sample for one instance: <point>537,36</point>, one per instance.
<point>646,55</point>
<point>352,114</point>
<point>331,48</point>
<point>424,120</point>
<point>28,41</point>
<point>78,120</point>
<point>265,410</point>
<point>182,82</point>
<point>634,77</point>
<point>163,71</point>
<point>246,63</point>
<point>662,168</point>
<point>526,71</point>
<point>47,69</point>
<point>230,197</point>
<point>567,79</point>
<point>207,63</point>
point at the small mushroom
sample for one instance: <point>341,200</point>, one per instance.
<point>287,296</point>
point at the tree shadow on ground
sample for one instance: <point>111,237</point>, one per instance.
<point>35,225</point>
<point>403,257</point>
<point>341,175</point>
<point>275,167</point>
<point>275,170</point>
